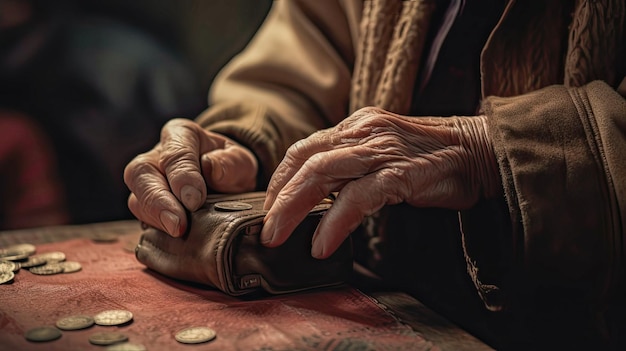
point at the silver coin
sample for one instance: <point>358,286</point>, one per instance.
<point>107,338</point>
<point>232,206</point>
<point>113,317</point>
<point>70,266</point>
<point>34,261</point>
<point>47,269</point>
<point>195,335</point>
<point>8,266</point>
<point>6,277</point>
<point>75,322</point>
<point>17,252</point>
<point>52,257</point>
<point>126,346</point>
<point>43,334</point>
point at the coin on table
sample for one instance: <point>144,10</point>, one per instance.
<point>6,277</point>
<point>70,266</point>
<point>34,261</point>
<point>107,338</point>
<point>43,334</point>
<point>126,346</point>
<point>52,257</point>
<point>8,266</point>
<point>104,237</point>
<point>47,269</point>
<point>17,252</point>
<point>195,335</point>
<point>75,322</point>
<point>113,317</point>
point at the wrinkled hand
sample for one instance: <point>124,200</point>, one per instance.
<point>376,158</point>
<point>174,175</point>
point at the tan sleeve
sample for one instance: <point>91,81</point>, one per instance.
<point>561,155</point>
<point>292,79</point>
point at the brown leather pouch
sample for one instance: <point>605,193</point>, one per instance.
<point>222,250</point>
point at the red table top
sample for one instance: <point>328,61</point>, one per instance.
<point>111,278</point>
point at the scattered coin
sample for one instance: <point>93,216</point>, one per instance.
<point>34,261</point>
<point>17,267</point>
<point>47,269</point>
<point>70,266</point>
<point>75,322</point>
<point>17,252</point>
<point>43,334</point>
<point>195,335</point>
<point>232,206</point>
<point>107,338</point>
<point>8,266</point>
<point>104,237</point>
<point>113,317</point>
<point>52,257</point>
<point>6,277</point>
<point>126,346</point>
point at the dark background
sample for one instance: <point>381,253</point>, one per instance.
<point>105,75</point>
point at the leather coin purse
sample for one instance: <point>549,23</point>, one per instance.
<point>222,249</point>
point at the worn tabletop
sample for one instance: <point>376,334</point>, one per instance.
<point>341,318</point>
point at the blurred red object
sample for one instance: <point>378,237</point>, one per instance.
<point>31,194</point>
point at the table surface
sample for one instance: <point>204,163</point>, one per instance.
<point>341,318</point>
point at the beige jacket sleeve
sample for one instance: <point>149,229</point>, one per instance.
<point>561,155</point>
<point>292,79</point>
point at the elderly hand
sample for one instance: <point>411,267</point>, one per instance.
<point>174,175</point>
<point>375,158</point>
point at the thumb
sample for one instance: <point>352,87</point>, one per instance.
<point>230,170</point>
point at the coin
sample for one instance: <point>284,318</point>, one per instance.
<point>107,338</point>
<point>47,269</point>
<point>232,206</point>
<point>34,261</point>
<point>195,335</point>
<point>52,257</point>
<point>126,346</point>
<point>17,266</point>
<point>43,334</point>
<point>6,277</point>
<point>113,317</point>
<point>70,266</point>
<point>104,237</point>
<point>75,322</point>
<point>7,266</point>
<point>17,252</point>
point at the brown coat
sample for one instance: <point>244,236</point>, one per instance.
<point>549,71</point>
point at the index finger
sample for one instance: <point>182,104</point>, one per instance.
<point>294,159</point>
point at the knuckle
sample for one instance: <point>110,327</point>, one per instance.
<point>137,167</point>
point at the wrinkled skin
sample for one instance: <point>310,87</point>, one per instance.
<point>371,159</point>
<point>376,158</point>
<point>173,176</point>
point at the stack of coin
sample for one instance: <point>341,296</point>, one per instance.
<point>15,257</point>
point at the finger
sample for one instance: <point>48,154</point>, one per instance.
<point>151,201</point>
<point>322,174</point>
<point>357,199</point>
<point>296,156</point>
<point>230,170</point>
<point>182,143</point>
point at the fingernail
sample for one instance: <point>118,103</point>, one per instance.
<point>170,222</point>
<point>267,233</point>
<point>317,249</point>
<point>191,197</point>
